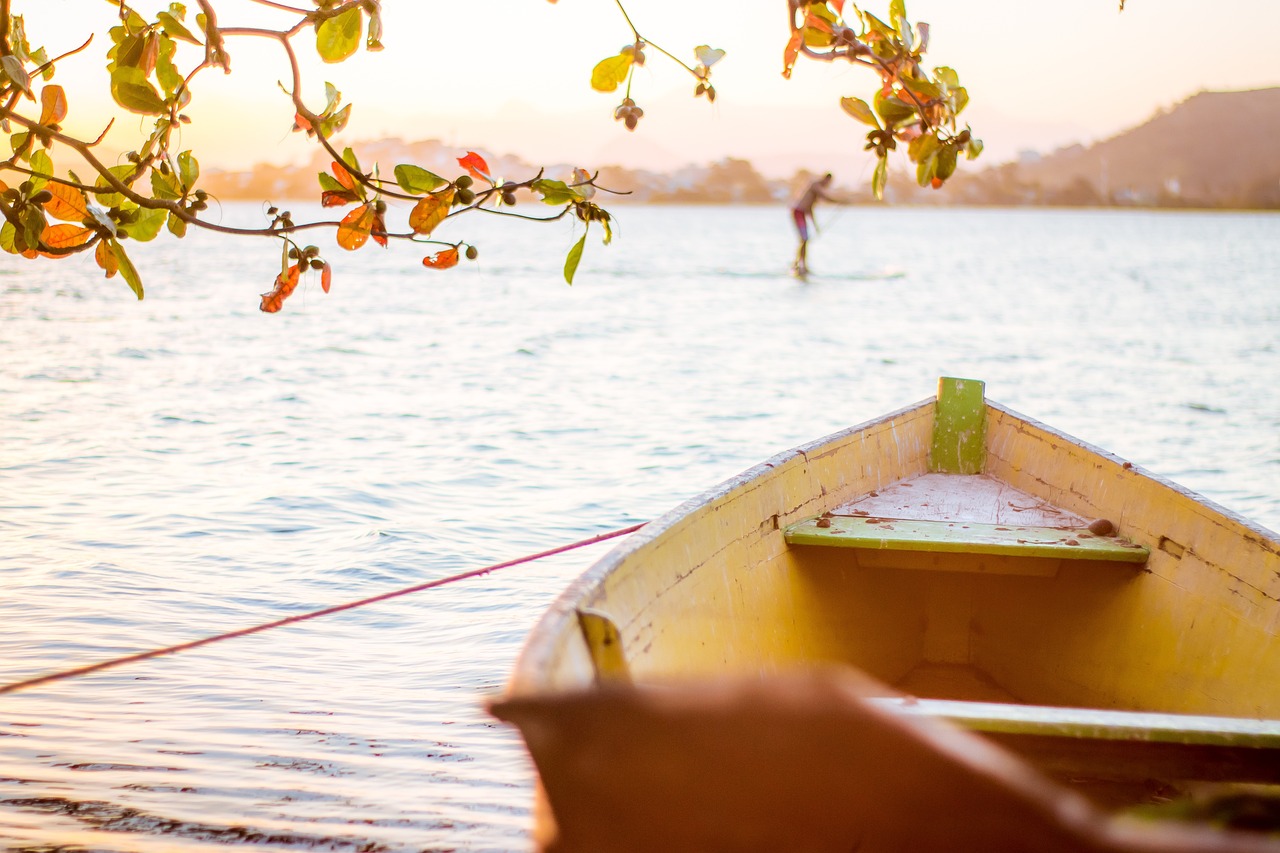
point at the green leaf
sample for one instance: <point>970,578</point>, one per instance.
<point>880,177</point>
<point>973,148</point>
<point>111,198</point>
<point>892,109</point>
<point>8,238</point>
<point>127,268</point>
<point>43,167</point>
<point>188,169</point>
<point>339,37</point>
<point>33,225</point>
<point>960,98</point>
<point>555,192</point>
<point>175,28</point>
<point>132,90</point>
<point>177,227</point>
<point>947,76</point>
<point>574,256</point>
<point>417,180</point>
<point>923,147</point>
<point>148,224</point>
<point>610,73</point>
<point>165,187</point>
<point>19,142</point>
<point>946,162</point>
<point>858,108</point>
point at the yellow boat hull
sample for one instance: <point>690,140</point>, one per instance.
<point>714,590</point>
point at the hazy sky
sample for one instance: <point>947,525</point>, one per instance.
<point>512,76</point>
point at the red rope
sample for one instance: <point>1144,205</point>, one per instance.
<point>303,617</point>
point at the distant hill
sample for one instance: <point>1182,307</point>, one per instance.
<point>1215,149</point>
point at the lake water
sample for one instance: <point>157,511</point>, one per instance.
<point>186,465</point>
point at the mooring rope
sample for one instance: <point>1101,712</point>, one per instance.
<point>63,675</point>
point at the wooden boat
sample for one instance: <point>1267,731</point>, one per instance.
<point>951,628</point>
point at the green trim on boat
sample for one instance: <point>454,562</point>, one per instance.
<point>963,538</point>
<point>959,427</point>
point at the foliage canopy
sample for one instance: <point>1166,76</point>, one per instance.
<point>154,63</point>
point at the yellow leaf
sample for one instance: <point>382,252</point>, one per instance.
<point>430,211</point>
<point>610,73</point>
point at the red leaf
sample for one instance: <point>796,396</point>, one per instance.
<point>378,231</point>
<point>337,198</point>
<point>273,300</point>
<point>476,165</point>
<point>326,277</point>
<point>442,260</point>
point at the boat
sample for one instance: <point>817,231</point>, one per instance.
<point>949,628</point>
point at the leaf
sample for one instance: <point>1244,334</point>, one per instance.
<point>148,224</point>
<point>339,37</point>
<point>417,180</point>
<point>573,258</point>
<point>106,258</point>
<point>430,211</point>
<point>188,169</point>
<point>108,197</point>
<point>132,90</point>
<point>17,74</point>
<point>67,204</point>
<point>53,105</point>
<point>442,260</point>
<point>344,176</point>
<point>791,53</point>
<point>476,165</point>
<point>177,226</point>
<point>556,192</point>
<point>356,226</point>
<point>326,277</point>
<point>611,73</point>
<point>859,109</point>
<point>41,168</point>
<point>880,177</point>
<point>165,187</point>
<point>378,231</point>
<point>973,148</point>
<point>338,198</point>
<point>175,29</point>
<point>127,269</point>
<point>286,282</point>
<point>892,109</point>
<point>65,236</point>
<point>708,56</point>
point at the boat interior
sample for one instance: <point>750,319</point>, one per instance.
<point>988,571</point>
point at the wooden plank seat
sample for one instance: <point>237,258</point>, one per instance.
<point>1122,745</point>
<point>957,537</point>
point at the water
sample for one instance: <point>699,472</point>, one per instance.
<point>186,465</point>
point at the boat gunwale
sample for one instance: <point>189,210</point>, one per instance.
<point>540,643</point>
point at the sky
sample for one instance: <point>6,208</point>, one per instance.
<point>512,76</point>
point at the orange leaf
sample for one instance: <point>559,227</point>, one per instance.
<point>67,204</point>
<point>354,229</point>
<point>326,277</point>
<point>273,300</point>
<point>792,52</point>
<point>54,104</point>
<point>65,236</point>
<point>106,258</point>
<point>476,165</point>
<point>344,176</point>
<point>442,260</point>
<point>379,230</point>
<point>430,211</point>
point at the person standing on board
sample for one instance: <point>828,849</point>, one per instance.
<point>802,213</point>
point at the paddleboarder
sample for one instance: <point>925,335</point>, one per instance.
<point>802,213</point>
